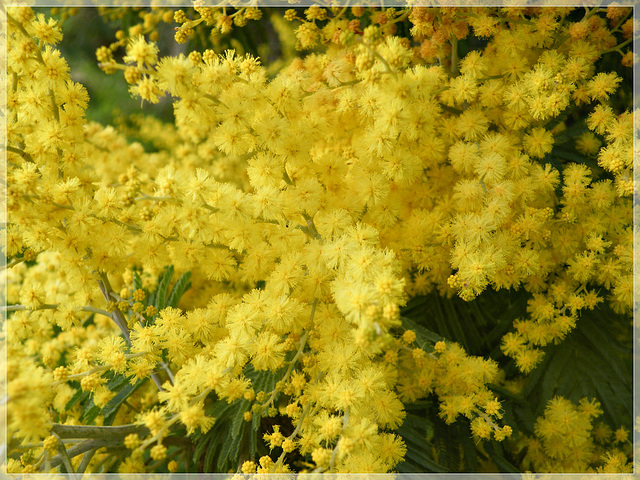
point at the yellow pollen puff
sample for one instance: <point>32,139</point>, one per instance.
<point>440,347</point>
<point>409,336</point>
<point>158,452</point>
<point>249,467</point>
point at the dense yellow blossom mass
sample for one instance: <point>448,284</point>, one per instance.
<point>304,207</point>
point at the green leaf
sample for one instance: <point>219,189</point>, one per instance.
<point>455,322</point>
<point>89,409</point>
<point>111,408</point>
<point>600,342</point>
<point>163,288</point>
<point>253,436</point>
<point>151,299</point>
<point>503,318</point>
<point>230,452</point>
<point>424,336</point>
<point>219,436</point>
<point>137,281</point>
<point>91,413</point>
<point>570,155</point>
<point>200,446</point>
<point>261,381</point>
<point>79,396</point>
<point>469,452</point>
<point>555,371</point>
<point>414,433</point>
<point>212,452</point>
<point>571,133</point>
<point>181,286</point>
<point>478,325</point>
<point>238,421</point>
<point>447,446</point>
<point>438,315</point>
<point>497,455</point>
<point>220,409</point>
<point>418,462</point>
<point>588,363</point>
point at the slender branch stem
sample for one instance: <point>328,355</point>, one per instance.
<point>156,199</point>
<point>13,263</point>
<point>375,53</point>
<point>119,66</point>
<point>86,458</point>
<point>213,99</point>
<point>454,56</point>
<point>334,453</point>
<point>116,315</point>
<point>404,15</point>
<point>294,360</point>
<point>158,435</point>
<point>15,308</point>
<point>618,47</point>
<point>47,462</point>
<point>621,22</point>
<point>64,456</point>
<point>88,308</point>
<point>99,311</point>
<point>118,318</point>
<point>20,152</point>
<point>286,177</point>
<point>98,433</point>
<point>296,431</point>
<point>86,446</point>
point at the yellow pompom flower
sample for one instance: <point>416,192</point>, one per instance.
<point>538,142</point>
<point>141,52</point>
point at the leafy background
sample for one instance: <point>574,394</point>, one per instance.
<point>593,361</point>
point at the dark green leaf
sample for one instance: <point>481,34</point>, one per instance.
<point>91,413</point>
<point>200,446</point>
<point>253,436</point>
<point>447,447</point>
<point>79,396</point>
<point>497,455</point>
<point>137,281</point>
<point>111,408</point>
<point>212,451</point>
<point>418,462</point>
<point>181,286</point>
<point>163,288</point>
<point>231,451</point>
<point>469,452</point>
<point>588,363</point>
<point>414,433</point>
<point>238,421</point>
<point>423,335</point>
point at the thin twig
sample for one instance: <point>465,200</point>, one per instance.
<point>13,263</point>
<point>64,457</point>
<point>454,56</point>
<point>116,315</point>
<point>20,152</point>
<point>97,432</point>
<point>86,458</point>
<point>105,288</point>
<point>83,447</point>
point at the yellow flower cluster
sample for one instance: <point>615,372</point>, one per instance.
<point>308,208</point>
<point>567,441</point>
